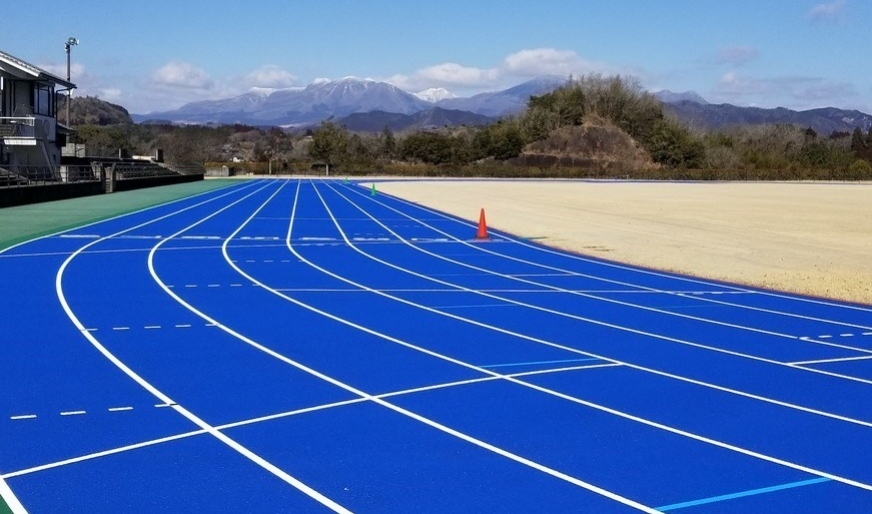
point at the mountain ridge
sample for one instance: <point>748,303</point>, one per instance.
<point>353,99</point>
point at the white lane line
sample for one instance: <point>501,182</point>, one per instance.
<point>104,453</point>
<point>846,335</point>
<point>163,405</point>
<point>191,286</point>
<point>235,285</point>
<point>73,413</point>
<point>438,426</point>
<point>214,285</point>
<point>721,444</point>
<point>11,500</point>
<point>281,415</point>
<point>442,217</point>
<point>120,409</point>
<point>573,316</point>
<point>5,491</point>
<point>117,328</point>
<point>183,326</point>
<point>23,416</point>
<point>152,327</point>
<point>252,456</point>
<point>160,395</point>
<point>840,359</point>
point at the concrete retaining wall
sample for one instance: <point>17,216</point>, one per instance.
<point>138,183</point>
<point>10,196</point>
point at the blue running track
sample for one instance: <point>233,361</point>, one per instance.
<point>307,346</point>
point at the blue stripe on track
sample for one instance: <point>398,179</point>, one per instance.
<point>733,496</point>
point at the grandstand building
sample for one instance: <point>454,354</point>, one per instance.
<point>30,135</point>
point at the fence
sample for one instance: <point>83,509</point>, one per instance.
<point>32,175</point>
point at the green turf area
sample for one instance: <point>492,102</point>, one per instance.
<point>4,509</point>
<point>26,222</point>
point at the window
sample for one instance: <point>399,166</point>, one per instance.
<point>42,99</point>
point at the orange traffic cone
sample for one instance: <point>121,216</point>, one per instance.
<point>482,227</point>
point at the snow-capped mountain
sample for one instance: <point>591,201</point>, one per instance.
<point>435,94</point>
<point>339,98</point>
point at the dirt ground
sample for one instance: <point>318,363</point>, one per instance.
<point>809,238</point>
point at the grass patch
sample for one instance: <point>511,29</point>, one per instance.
<point>26,222</point>
<point>4,509</point>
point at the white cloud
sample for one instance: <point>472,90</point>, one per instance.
<point>270,76</point>
<point>548,61</point>
<point>179,74</point>
<point>77,70</point>
<point>520,65</point>
<point>449,75</point>
<point>453,73</point>
<point>828,12</point>
<point>110,94</point>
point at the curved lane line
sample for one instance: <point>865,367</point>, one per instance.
<point>158,393</point>
<point>582,318</point>
<point>551,392</point>
<point>643,271</point>
<point>481,248</point>
<point>376,399</point>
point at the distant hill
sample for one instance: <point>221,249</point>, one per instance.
<point>90,110</point>
<point>509,101</point>
<point>368,105</point>
<point>375,121</point>
<point>713,117</point>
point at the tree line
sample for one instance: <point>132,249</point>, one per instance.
<point>615,101</point>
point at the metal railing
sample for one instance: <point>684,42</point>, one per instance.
<point>124,171</point>
<point>26,176</point>
<point>23,127</point>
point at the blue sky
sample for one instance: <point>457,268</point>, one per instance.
<point>160,54</point>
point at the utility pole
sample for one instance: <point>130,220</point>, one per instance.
<point>71,42</point>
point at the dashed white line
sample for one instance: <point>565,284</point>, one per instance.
<point>120,328</point>
<point>23,416</point>
<point>191,285</point>
<point>73,413</point>
<point>183,326</point>
<point>214,285</point>
<point>152,327</point>
<point>235,285</point>
<point>120,409</point>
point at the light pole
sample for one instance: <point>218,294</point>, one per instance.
<point>71,42</point>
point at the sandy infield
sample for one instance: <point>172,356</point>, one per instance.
<point>809,238</point>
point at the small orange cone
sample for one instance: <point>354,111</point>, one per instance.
<point>482,227</point>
